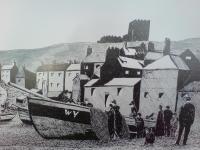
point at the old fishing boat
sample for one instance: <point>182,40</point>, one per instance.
<point>57,119</point>
<point>54,119</point>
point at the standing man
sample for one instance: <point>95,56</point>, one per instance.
<point>167,118</point>
<point>186,119</point>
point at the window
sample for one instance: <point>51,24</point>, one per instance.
<point>38,80</point>
<point>59,74</point>
<point>188,58</point>
<point>86,67</point>
<point>92,91</point>
<point>138,72</point>
<point>40,73</point>
<point>145,94</point>
<point>69,74</point>
<point>160,95</point>
<point>19,80</point>
<point>58,84</point>
<point>52,74</point>
<point>127,72</point>
<point>118,90</point>
<point>51,84</point>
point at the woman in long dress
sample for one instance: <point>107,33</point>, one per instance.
<point>160,122</point>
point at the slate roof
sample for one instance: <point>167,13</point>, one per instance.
<point>91,82</point>
<point>123,82</point>
<point>129,63</point>
<point>153,55</point>
<point>7,67</point>
<point>95,57</point>
<point>52,67</point>
<point>74,67</point>
<point>168,62</point>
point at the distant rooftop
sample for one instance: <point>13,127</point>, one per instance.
<point>95,57</point>
<point>123,82</point>
<point>168,62</point>
<point>7,67</point>
<point>130,63</point>
<point>52,67</point>
<point>74,67</point>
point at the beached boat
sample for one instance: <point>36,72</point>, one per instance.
<point>54,119</point>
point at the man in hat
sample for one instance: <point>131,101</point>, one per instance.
<point>167,118</point>
<point>186,119</point>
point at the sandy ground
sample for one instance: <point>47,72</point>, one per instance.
<point>16,135</point>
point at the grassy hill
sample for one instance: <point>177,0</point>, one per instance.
<point>63,52</point>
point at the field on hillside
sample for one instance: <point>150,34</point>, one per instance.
<point>63,52</point>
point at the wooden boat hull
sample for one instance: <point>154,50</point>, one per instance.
<point>53,119</point>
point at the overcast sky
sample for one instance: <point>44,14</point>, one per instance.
<point>39,23</point>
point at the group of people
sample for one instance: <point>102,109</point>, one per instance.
<point>167,122</point>
<point>114,120</point>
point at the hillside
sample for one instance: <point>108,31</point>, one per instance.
<point>63,52</point>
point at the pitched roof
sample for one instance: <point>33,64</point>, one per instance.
<point>95,57</point>
<point>180,64</point>
<point>129,63</point>
<point>91,82</point>
<point>52,67</point>
<point>123,82</point>
<point>7,67</point>
<point>168,62</point>
<point>74,67</point>
<point>153,55</point>
<point>129,51</point>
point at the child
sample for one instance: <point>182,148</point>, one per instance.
<point>150,136</point>
<point>174,124</point>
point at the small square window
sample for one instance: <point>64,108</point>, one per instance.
<point>19,80</point>
<point>51,84</point>
<point>138,72</point>
<point>92,91</point>
<point>118,90</point>
<point>86,67</point>
<point>69,74</point>
<point>59,74</point>
<point>160,95</point>
<point>188,58</point>
<point>58,84</point>
<point>145,94</point>
<point>52,74</point>
<point>127,72</point>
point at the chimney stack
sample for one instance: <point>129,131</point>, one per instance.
<point>89,51</point>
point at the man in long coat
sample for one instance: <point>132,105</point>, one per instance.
<point>186,119</point>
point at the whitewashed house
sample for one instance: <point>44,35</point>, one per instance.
<point>9,72</point>
<point>160,82</point>
<point>51,79</point>
<point>72,71</point>
<point>123,90</point>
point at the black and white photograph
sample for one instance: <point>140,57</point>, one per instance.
<point>99,74</point>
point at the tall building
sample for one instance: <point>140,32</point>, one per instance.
<point>139,30</point>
